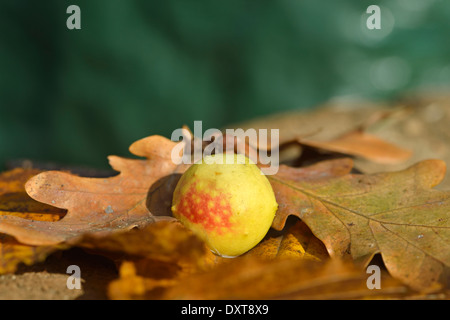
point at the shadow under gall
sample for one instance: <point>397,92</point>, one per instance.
<point>159,197</point>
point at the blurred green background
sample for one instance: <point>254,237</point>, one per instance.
<point>138,68</point>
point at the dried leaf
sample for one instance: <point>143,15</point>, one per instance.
<point>287,204</point>
<point>15,202</point>
<point>156,256</point>
<point>296,242</point>
<point>164,241</point>
<point>132,286</point>
<point>362,144</point>
<point>396,214</point>
<point>253,278</point>
<point>13,253</point>
<point>96,205</point>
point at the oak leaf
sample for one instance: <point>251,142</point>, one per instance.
<point>163,241</point>
<point>96,205</point>
<point>157,255</point>
<point>361,144</point>
<point>397,214</point>
<point>333,131</point>
<point>255,278</point>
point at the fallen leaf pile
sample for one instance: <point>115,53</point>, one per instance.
<point>331,224</point>
<point>15,203</point>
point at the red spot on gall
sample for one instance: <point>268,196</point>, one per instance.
<point>201,207</point>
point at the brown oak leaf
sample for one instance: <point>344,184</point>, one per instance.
<point>96,205</point>
<point>255,278</point>
<point>362,144</point>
